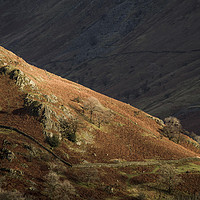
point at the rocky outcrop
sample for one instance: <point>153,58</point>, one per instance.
<point>44,113</point>
<point>158,121</point>
<point>18,76</point>
<point>36,104</point>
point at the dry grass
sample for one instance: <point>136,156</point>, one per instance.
<point>133,146</point>
<point>109,141</point>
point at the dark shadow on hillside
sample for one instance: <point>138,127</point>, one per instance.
<point>3,112</point>
<point>20,111</point>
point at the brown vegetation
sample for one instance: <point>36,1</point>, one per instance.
<point>105,129</point>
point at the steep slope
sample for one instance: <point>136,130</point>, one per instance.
<point>145,53</point>
<point>37,108</point>
<point>44,99</point>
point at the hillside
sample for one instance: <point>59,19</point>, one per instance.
<point>145,53</point>
<point>38,109</point>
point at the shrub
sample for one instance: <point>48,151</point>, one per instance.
<point>169,177</point>
<point>92,105</point>
<point>53,141</point>
<point>141,196</point>
<point>172,129</point>
<point>11,195</point>
<point>98,114</point>
<point>193,135</point>
<point>56,189</point>
<point>69,128</point>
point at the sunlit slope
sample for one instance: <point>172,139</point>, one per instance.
<point>36,102</point>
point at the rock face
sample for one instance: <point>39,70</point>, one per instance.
<point>20,79</point>
<point>34,104</point>
<point>143,52</point>
<point>43,112</point>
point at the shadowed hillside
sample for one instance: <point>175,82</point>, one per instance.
<point>48,123</point>
<point>145,53</point>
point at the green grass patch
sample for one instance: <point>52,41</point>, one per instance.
<point>135,173</point>
<point>155,169</point>
<point>189,167</point>
<point>6,131</point>
<point>129,176</point>
<point>150,160</point>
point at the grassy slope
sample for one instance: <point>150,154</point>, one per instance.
<point>130,134</point>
